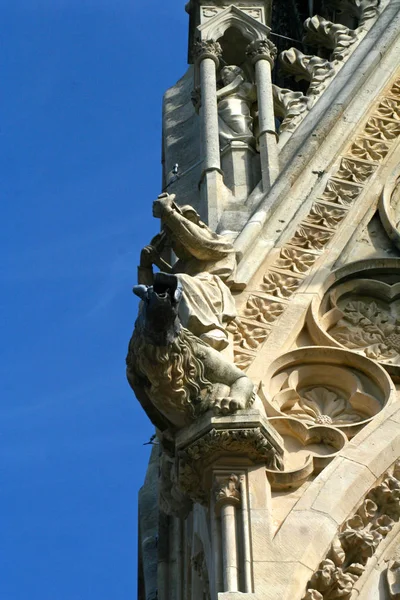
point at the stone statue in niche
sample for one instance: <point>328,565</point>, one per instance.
<point>174,374</point>
<point>235,101</point>
<point>205,268</point>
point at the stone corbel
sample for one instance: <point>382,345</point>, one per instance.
<point>220,440</point>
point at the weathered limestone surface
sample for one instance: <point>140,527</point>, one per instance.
<point>268,354</point>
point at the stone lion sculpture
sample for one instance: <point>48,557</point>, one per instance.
<point>175,375</point>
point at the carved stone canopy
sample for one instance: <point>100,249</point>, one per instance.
<point>245,439</point>
<point>243,14</point>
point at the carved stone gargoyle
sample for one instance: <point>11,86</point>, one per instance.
<point>175,375</point>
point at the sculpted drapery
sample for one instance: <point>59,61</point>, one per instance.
<point>205,268</point>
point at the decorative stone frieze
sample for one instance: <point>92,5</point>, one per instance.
<point>279,284</point>
<point>248,335</point>
<point>295,260</point>
<point>309,237</point>
<point>382,129</point>
<point>262,309</point>
<point>390,108</point>
<point>357,541</point>
<point>354,171</point>
<point>325,216</point>
<point>338,192</point>
<point>367,149</point>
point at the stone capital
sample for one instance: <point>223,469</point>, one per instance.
<point>227,491</point>
<point>262,50</point>
<point>207,49</point>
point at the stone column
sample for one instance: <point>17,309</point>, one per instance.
<point>207,60</point>
<point>263,53</point>
<point>227,499</point>
<point>207,53</point>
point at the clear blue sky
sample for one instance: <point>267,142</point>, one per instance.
<point>80,129</point>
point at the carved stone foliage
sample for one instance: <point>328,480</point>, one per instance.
<point>351,170</point>
<point>289,105</point>
<point>369,149</point>
<point>362,10</point>
<point>247,335</point>
<point>390,108</point>
<point>368,325</point>
<point>227,489</point>
<point>310,238</point>
<point>314,69</point>
<point>279,284</point>
<point>357,541</point>
<point>262,309</point>
<point>339,192</point>
<point>242,360</point>
<point>326,387</point>
<point>381,129</point>
<point>336,37</point>
<point>207,49</point>
<point>362,314</point>
<point>325,216</point>
<point>295,260</point>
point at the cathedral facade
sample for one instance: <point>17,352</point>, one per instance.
<point>266,351</point>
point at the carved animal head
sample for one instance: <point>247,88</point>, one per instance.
<point>165,361</point>
<point>158,317</point>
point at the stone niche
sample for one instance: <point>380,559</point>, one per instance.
<point>359,309</point>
